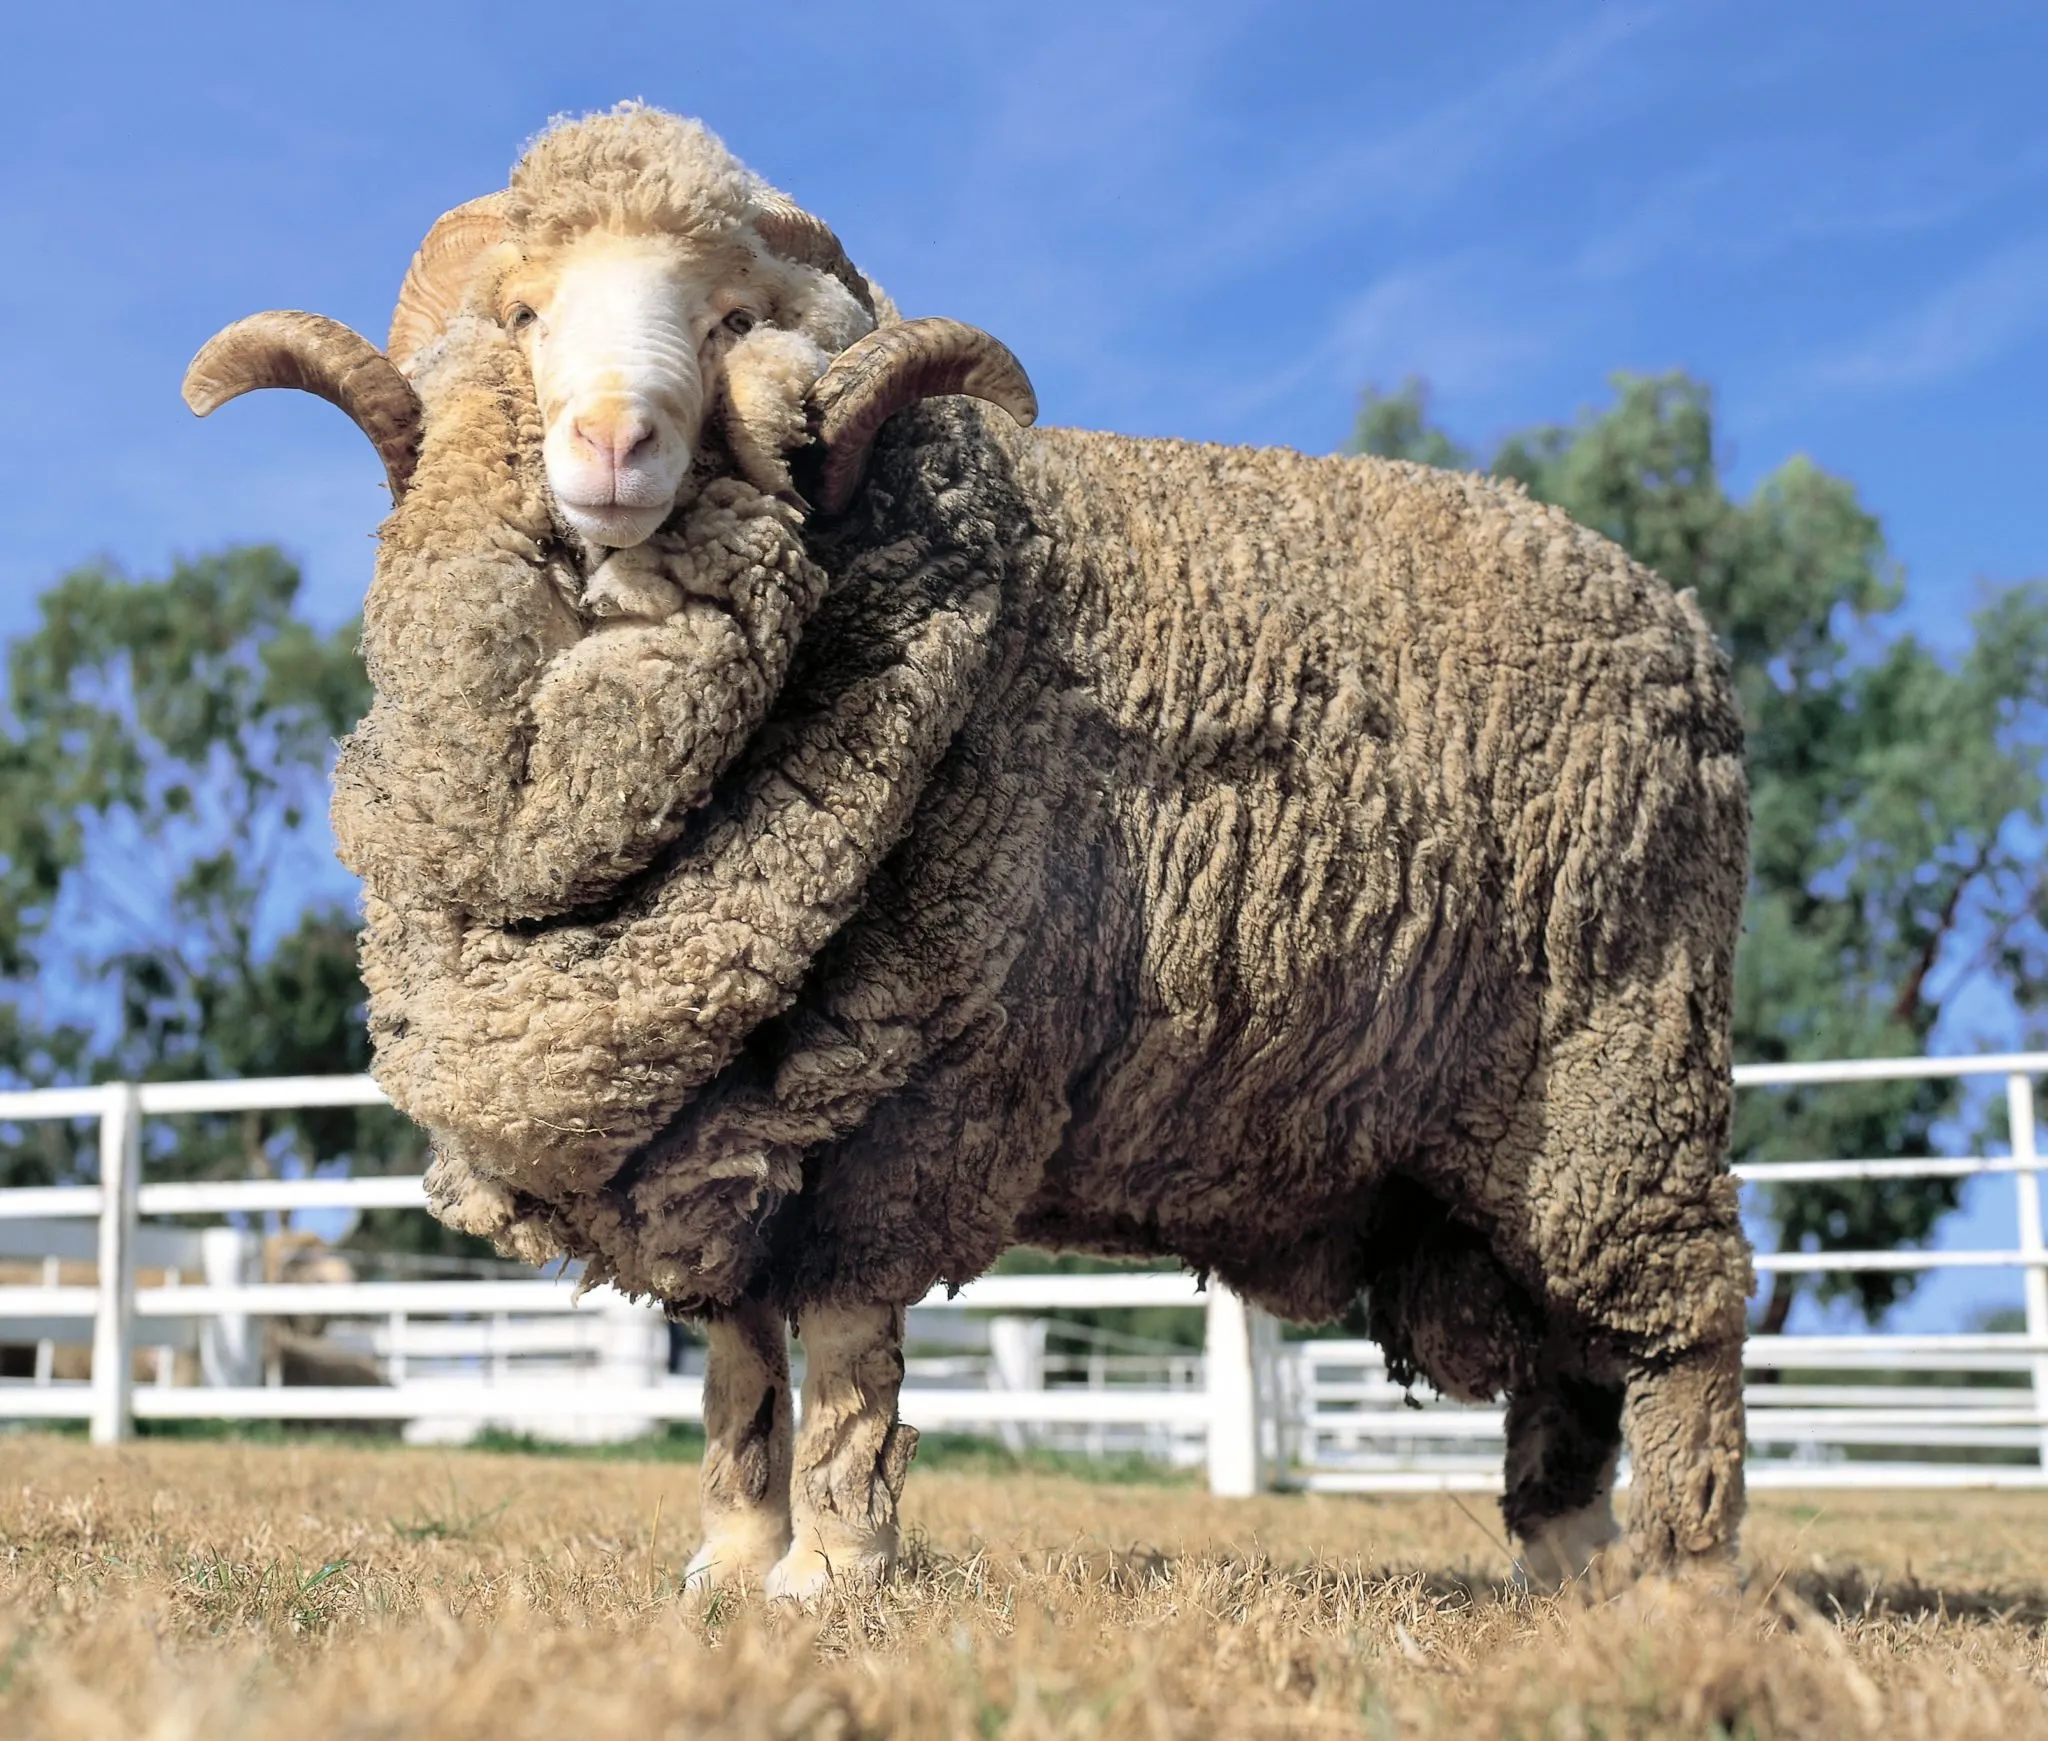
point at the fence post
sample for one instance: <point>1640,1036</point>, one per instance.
<point>230,1343</point>
<point>1016,1361</point>
<point>1234,1397</point>
<point>633,1356</point>
<point>2026,1184</point>
<point>1270,1384</point>
<point>113,1331</point>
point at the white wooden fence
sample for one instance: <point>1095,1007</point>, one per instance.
<point>1321,1413</point>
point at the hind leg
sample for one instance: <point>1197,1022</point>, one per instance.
<point>1564,1439</point>
<point>1684,1421</point>
<point>1445,1308</point>
<point>1672,1336</point>
<point>1634,1226</point>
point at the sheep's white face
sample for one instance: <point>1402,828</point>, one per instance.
<point>623,336</point>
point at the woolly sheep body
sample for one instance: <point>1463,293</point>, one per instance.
<point>1324,872</point>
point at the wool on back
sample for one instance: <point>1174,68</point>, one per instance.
<point>1146,847</point>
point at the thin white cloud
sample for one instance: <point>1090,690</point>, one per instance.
<point>1436,320</point>
<point>1115,112</point>
<point>1117,86</point>
<point>1426,158</point>
<point>1970,320</point>
<point>1105,181</point>
<point>1757,198</point>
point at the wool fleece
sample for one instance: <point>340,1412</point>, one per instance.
<point>1323,871</point>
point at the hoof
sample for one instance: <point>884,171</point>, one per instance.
<point>807,1572</point>
<point>1714,1575</point>
<point>740,1560</point>
<point>1568,1550</point>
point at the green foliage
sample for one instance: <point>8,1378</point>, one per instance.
<point>1397,426</point>
<point>164,747</point>
<point>163,762</point>
<point>444,1515</point>
<point>974,1454</point>
<point>1898,796</point>
<point>965,1453</point>
<point>672,1442</point>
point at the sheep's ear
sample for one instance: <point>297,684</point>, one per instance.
<point>888,371</point>
<point>797,236</point>
<point>439,275</point>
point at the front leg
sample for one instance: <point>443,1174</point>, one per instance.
<point>746,1449</point>
<point>852,1452</point>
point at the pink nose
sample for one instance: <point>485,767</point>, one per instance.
<point>616,438</point>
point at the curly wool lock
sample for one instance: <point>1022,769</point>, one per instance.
<point>1325,872</point>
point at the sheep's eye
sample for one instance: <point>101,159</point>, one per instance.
<point>741,322</point>
<point>521,317</point>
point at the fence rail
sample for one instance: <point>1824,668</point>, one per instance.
<point>1323,1413</point>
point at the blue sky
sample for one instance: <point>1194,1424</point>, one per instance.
<point>1205,219</point>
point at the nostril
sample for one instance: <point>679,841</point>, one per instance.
<point>614,439</point>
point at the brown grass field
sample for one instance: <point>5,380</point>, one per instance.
<point>187,1590</point>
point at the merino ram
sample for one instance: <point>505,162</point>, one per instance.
<point>818,834</point>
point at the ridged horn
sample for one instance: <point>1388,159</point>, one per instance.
<point>893,368</point>
<point>287,348</point>
<point>438,277</point>
<point>794,234</point>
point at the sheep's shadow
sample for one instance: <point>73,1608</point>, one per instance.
<point>1841,1596</point>
<point>1848,1593</point>
<point>1134,1568</point>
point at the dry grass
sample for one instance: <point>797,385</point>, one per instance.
<point>228,1591</point>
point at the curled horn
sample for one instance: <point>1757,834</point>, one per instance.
<point>438,277</point>
<point>794,234</point>
<point>284,348</point>
<point>893,368</point>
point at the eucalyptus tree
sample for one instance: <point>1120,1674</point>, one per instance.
<point>1897,792</point>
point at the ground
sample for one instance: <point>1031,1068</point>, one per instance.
<point>178,1590</point>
